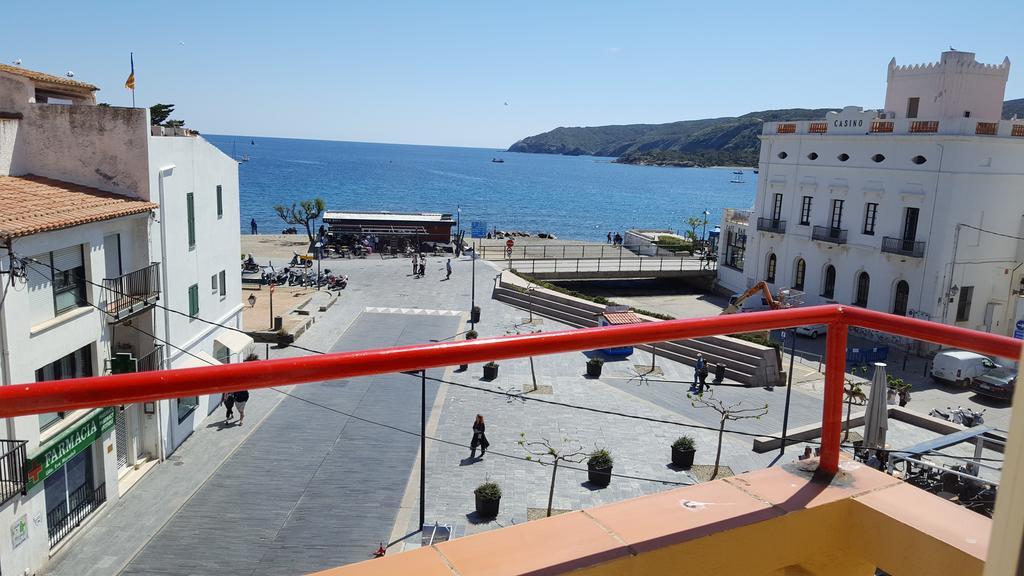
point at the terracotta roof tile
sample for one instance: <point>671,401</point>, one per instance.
<point>33,204</point>
<point>616,318</point>
<point>42,77</point>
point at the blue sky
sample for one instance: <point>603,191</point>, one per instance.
<point>441,72</point>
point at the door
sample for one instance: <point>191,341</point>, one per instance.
<point>837,218</point>
<point>910,228</point>
<point>776,211</point>
<point>123,441</point>
<point>112,255</point>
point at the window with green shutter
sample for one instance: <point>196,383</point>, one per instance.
<point>193,300</point>
<point>191,207</point>
<point>220,202</point>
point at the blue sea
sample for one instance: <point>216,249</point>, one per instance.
<point>573,197</point>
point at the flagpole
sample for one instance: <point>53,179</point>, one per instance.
<point>132,57</point>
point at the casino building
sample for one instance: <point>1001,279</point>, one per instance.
<point>915,209</point>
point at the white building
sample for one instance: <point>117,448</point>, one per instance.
<point>915,209</point>
<point>103,220</point>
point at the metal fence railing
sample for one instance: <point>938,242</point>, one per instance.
<point>152,361</point>
<point>12,469</point>
<point>61,520</point>
<point>131,292</point>
<point>585,265</point>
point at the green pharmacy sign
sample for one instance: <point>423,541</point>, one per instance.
<point>57,452</point>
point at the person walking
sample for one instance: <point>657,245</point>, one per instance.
<point>252,226</point>
<point>229,404</point>
<point>415,265</point>
<point>703,375</point>
<point>618,239</point>
<point>479,438</point>
<point>699,367</point>
<point>423,266</point>
<point>448,269</point>
<point>609,237</point>
<point>241,398</point>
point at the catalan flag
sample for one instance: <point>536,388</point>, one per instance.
<point>130,82</point>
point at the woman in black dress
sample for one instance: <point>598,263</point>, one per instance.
<point>479,438</point>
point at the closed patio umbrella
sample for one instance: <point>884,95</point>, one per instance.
<point>876,419</point>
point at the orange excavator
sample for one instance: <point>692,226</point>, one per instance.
<point>736,302</point>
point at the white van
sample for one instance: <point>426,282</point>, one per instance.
<point>959,366</point>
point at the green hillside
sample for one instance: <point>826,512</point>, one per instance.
<point>728,141</point>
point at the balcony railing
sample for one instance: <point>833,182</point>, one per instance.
<point>786,128</point>
<point>131,293</point>
<point>987,128</point>
<point>924,127</point>
<point>829,234</point>
<point>817,128</point>
<point>12,469</point>
<point>900,126</point>
<point>771,225</point>
<point>881,127</point>
<point>80,503</point>
<point>153,360</point>
<point>903,247</point>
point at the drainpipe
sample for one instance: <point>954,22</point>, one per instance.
<point>163,173</point>
<point>5,353</point>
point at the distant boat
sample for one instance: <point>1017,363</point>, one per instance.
<point>497,160</point>
<point>738,179</point>
<point>245,157</point>
<point>755,171</point>
<point>737,171</point>
<point>252,142</point>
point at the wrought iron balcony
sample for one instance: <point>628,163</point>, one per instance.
<point>131,293</point>
<point>912,248</point>
<point>771,225</point>
<point>12,469</point>
<point>152,361</point>
<point>829,234</point>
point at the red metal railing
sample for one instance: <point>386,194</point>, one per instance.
<point>94,392</point>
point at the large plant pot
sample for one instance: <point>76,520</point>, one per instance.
<point>474,315</point>
<point>594,369</point>
<point>599,476</point>
<point>490,372</point>
<point>683,458</point>
<point>487,508</point>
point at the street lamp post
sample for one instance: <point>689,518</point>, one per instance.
<point>704,231</point>
<point>789,390</point>
<point>271,306</point>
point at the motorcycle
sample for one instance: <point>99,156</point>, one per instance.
<point>963,416</point>
<point>337,282</point>
<point>249,265</point>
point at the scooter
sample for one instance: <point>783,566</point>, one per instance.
<point>963,416</point>
<point>250,265</point>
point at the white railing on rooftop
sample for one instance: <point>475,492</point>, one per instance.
<point>906,126</point>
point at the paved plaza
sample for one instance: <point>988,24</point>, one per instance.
<point>304,486</point>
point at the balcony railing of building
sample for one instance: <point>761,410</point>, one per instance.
<point>131,293</point>
<point>771,225</point>
<point>912,248</point>
<point>61,520</point>
<point>152,361</point>
<point>828,234</point>
<point>771,499</point>
<point>12,469</point>
<point>898,126</point>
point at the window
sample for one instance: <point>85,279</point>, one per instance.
<point>186,406</point>
<point>878,158</point>
<point>220,202</point>
<point>870,212</point>
<point>912,105</point>
<point>812,156</point>
<point>963,306</point>
<point>190,206</point>
<point>967,113</point>
<point>899,305</point>
<point>213,284</point>
<point>68,270</point>
<point>843,157</point>
<point>863,285</point>
<point>78,364</point>
<point>805,211</point>
<point>829,286</point>
<point>800,270</point>
<point>771,269</point>
<point>193,300</point>
<point>919,160</point>
<point>837,214</point>
<point>223,284</point>
<point>777,209</point>
<point>783,155</point>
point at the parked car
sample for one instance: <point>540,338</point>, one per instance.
<point>959,366</point>
<point>998,383</point>
<point>812,331</point>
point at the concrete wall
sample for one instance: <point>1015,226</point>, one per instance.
<point>957,83</point>
<point>198,167</point>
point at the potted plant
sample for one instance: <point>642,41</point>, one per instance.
<point>488,496</point>
<point>594,367</point>
<point>901,388</point>
<point>599,467</point>
<point>490,371</point>
<point>470,335</point>
<point>683,450</point>
<point>474,314</point>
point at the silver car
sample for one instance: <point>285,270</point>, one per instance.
<point>997,383</point>
<point>812,331</point>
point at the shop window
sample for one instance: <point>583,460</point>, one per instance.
<point>798,275</point>
<point>186,406</point>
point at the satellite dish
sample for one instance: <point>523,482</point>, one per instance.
<point>69,74</point>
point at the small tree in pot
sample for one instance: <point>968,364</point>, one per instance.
<point>490,371</point>
<point>594,367</point>
<point>488,497</point>
<point>599,467</point>
<point>544,449</point>
<point>683,450</point>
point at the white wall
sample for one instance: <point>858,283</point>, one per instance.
<point>198,168</point>
<point>946,89</point>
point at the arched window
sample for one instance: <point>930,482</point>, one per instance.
<point>799,271</point>
<point>829,286</point>
<point>899,305</point>
<point>863,285</point>
<point>770,276</point>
